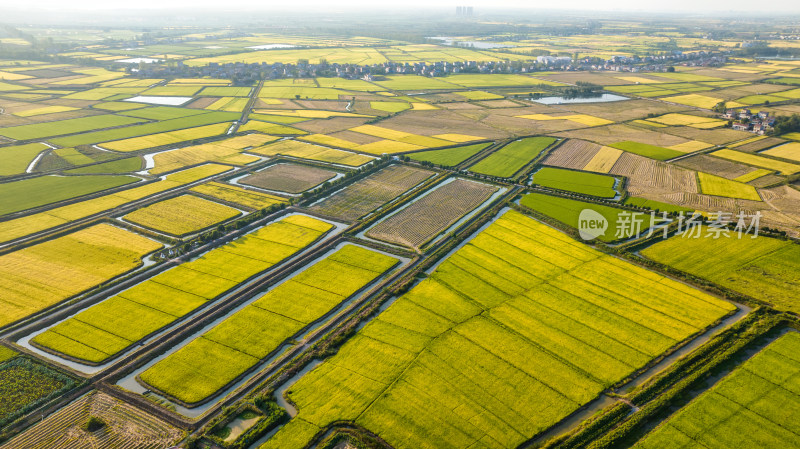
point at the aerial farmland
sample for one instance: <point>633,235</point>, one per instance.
<point>462,230</point>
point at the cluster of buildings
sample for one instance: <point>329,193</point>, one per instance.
<point>657,63</point>
<point>745,120</point>
<point>255,71</point>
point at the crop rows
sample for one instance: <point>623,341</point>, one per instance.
<point>208,363</point>
<point>227,151</point>
<point>751,407</point>
<point>371,192</point>
<point>182,215</point>
<point>25,384</point>
<point>39,276</point>
<point>237,195</point>
<point>30,193</point>
<point>575,181</point>
<point>573,154</point>
<point>515,331</point>
<point>104,330</point>
<point>290,178</point>
<point>428,216</point>
<point>126,427</point>
<point>718,186</point>
<point>450,156</point>
<point>646,176</point>
<point>30,224</point>
<point>761,267</point>
<point>313,152</point>
<point>510,159</point>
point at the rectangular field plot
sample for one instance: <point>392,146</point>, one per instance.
<point>449,156</point>
<point>69,126</point>
<point>15,159</point>
<point>765,268</point>
<point>757,405</point>
<point>29,193</point>
<point>575,181</point>
<point>568,211</point>
<point>289,178</point>
<point>30,224</point>
<point>758,161</point>
<point>718,186</point>
<point>182,215</point>
<point>312,152</point>
<point>513,332</point>
<point>510,159</point>
<point>227,151</point>
<point>432,214</point>
<point>42,275</point>
<point>104,330</point>
<point>237,195</point>
<point>216,358</point>
<point>375,190</point>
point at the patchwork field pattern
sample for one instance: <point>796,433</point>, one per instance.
<point>754,406</point>
<point>567,211</point>
<point>106,329</point>
<point>305,150</point>
<point>509,335</point>
<point>21,227</point>
<point>208,363</point>
<point>367,194</point>
<point>182,215</point>
<point>18,196</point>
<point>228,151</point>
<point>432,214</point>
<point>758,161</point>
<point>42,275</point>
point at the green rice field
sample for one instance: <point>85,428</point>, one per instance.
<point>575,181</point>
<point>208,363</point>
<point>510,159</point>
<point>765,268</point>
<point>509,335</point>
<point>104,330</point>
<point>751,407</point>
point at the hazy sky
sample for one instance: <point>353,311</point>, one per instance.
<point>688,6</point>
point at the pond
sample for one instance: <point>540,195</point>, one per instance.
<point>271,46</point>
<point>168,101</point>
<point>138,60</point>
<point>604,98</point>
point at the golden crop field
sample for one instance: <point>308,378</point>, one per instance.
<point>166,138</point>
<point>604,160</point>
<point>237,195</point>
<point>30,224</point>
<point>45,274</point>
<point>580,119</point>
<point>789,151</point>
<point>758,161</point>
<point>305,150</point>
<point>182,215</point>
